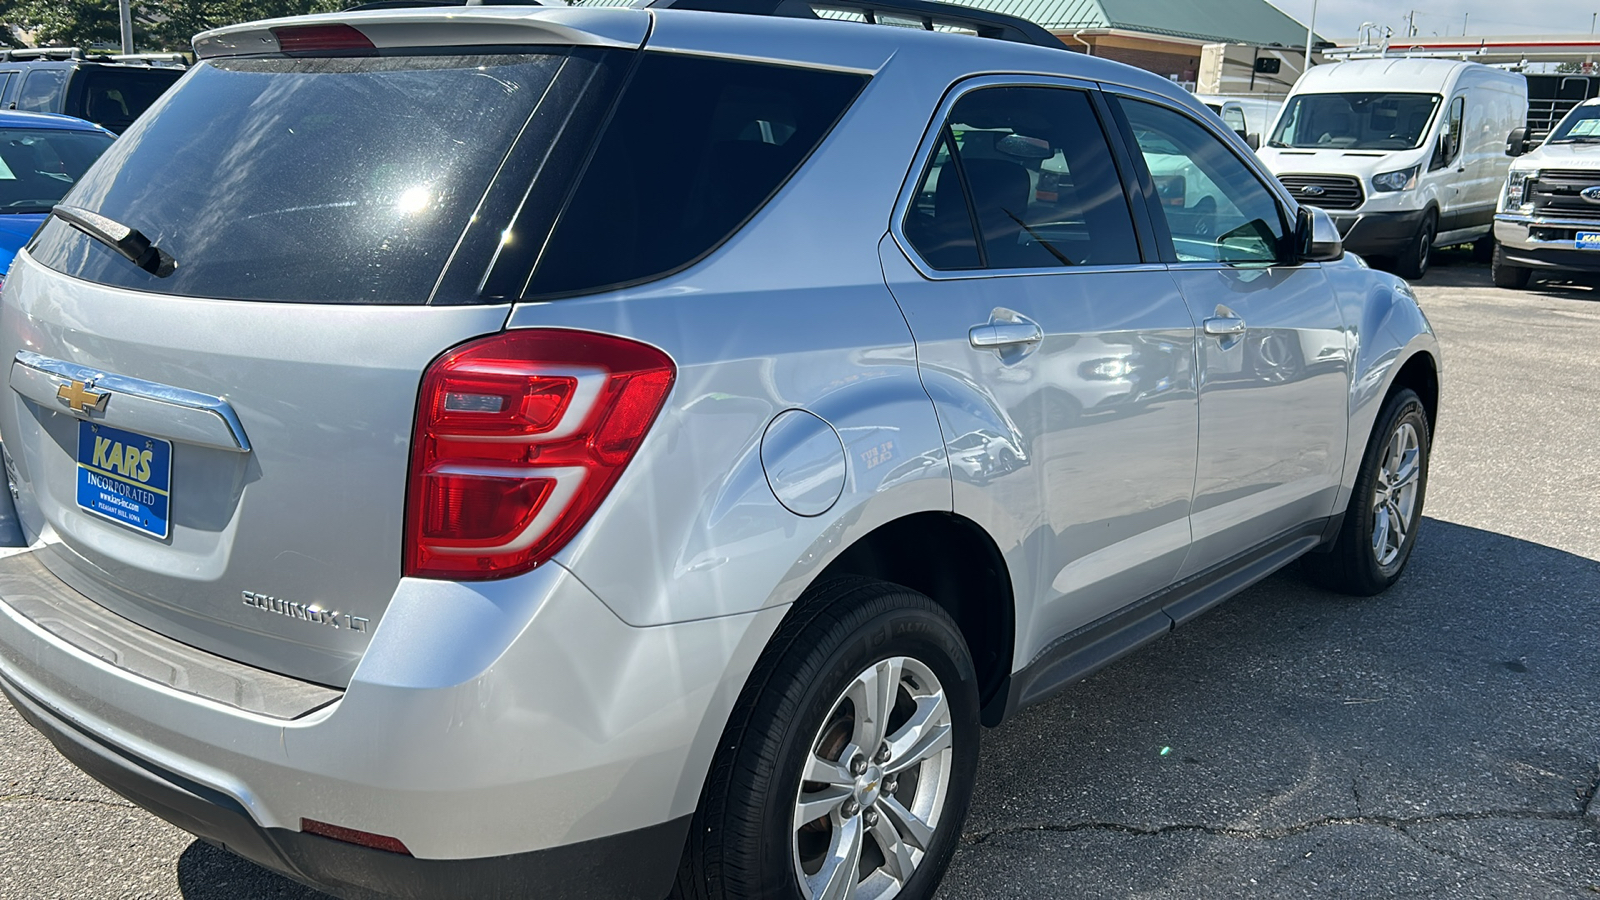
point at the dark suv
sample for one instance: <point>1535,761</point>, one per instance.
<point>110,93</point>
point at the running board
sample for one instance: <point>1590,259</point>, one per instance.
<point>1080,653</point>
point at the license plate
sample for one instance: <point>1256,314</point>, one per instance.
<point>125,477</point>
<point>1588,240</point>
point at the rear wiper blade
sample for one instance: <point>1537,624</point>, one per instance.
<point>128,241</point>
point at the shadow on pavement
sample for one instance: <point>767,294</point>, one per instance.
<point>1468,686</point>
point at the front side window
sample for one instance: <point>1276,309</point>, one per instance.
<point>1451,147</point>
<point>40,90</point>
<point>1029,171</point>
<point>1214,206</point>
<point>1356,121</point>
<point>1233,117</point>
<point>38,166</point>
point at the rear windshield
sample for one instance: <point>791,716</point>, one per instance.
<point>314,180</point>
<point>115,98</point>
<point>38,166</point>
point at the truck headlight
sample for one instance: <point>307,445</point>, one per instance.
<point>1403,180</point>
<point>1517,187</point>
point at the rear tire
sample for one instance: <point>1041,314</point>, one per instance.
<point>1381,524</point>
<point>890,787</point>
<point>1508,276</point>
<point>1413,261</point>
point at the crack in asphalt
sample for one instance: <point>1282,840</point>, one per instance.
<point>36,798</point>
<point>1396,823</point>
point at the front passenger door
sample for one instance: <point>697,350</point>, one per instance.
<point>1273,354</point>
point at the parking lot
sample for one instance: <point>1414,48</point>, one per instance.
<point>1440,741</point>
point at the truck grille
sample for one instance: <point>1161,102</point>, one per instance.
<point>1559,193</point>
<point>1325,191</point>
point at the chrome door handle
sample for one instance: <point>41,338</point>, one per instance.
<point>991,335</point>
<point>1224,326</point>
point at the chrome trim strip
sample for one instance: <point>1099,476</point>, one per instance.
<point>1538,221</point>
<point>146,406</point>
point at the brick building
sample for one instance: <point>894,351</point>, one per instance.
<point>1162,36</point>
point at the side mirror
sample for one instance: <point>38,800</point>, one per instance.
<point>1254,140</point>
<point>1317,236</point>
<point>1517,142</point>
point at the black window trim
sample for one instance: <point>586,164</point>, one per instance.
<point>1288,207</point>
<point>923,161</point>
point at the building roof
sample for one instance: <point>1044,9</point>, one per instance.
<point>1233,21</point>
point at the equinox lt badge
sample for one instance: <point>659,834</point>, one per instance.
<point>303,612</point>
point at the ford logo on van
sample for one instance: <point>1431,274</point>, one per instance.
<point>1313,190</point>
<point>1591,194</point>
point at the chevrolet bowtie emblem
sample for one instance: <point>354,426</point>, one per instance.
<point>80,397</point>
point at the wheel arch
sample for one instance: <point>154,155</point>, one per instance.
<point>1420,373</point>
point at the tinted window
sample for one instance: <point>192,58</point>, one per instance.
<point>695,147</point>
<point>1452,131</point>
<point>1041,185</point>
<point>939,223</point>
<point>1356,121</point>
<point>115,98</point>
<point>318,180</point>
<point>1214,206</point>
<point>40,89</point>
<point>38,166</point>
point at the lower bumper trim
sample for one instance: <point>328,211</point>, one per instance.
<point>635,864</point>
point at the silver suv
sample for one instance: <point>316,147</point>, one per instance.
<point>612,452</point>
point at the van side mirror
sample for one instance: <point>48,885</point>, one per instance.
<point>1317,237</point>
<point>1254,140</point>
<point>1517,142</point>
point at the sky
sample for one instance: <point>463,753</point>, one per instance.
<point>1340,20</point>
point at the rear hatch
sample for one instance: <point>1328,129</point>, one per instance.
<point>217,447</point>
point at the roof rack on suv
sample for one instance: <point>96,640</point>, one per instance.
<point>42,53</point>
<point>149,59</point>
<point>929,14</point>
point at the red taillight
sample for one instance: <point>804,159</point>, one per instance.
<point>519,436</point>
<point>354,836</point>
<point>304,38</point>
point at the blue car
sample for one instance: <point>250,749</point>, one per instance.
<point>41,157</point>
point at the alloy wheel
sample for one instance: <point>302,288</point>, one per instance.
<point>875,785</point>
<point>1394,495</point>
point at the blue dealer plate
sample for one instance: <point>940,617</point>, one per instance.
<point>125,477</point>
<point>1588,240</point>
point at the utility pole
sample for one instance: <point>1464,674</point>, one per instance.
<point>1464,18</point>
<point>126,14</point>
<point>1310,36</point>
<point>1411,23</point>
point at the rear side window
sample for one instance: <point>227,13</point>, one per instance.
<point>115,98</point>
<point>40,89</point>
<point>313,180</point>
<point>1031,170</point>
<point>694,148</point>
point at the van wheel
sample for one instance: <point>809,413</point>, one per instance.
<point>1413,260</point>
<point>1381,523</point>
<point>1508,276</point>
<point>847,765</point>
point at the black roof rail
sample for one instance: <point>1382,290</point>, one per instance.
<point>929,13</point>
<point>423,4</point>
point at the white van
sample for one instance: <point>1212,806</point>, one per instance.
<point>1405,154</point>
<point>1249,116</point>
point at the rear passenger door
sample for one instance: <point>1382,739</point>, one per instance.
<point>1056,347</point>
<point>1274,360</point>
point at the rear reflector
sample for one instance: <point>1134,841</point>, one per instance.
<point>519,437</point>
<point>353,836</point>
<point>308,38</point>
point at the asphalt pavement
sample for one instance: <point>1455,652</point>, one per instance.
<point>1442,740</point>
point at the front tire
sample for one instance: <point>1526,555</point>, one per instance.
<point>1380,525</point>
<point>1508,276</point>
<point>847,765</point>
<point>1413,261</point>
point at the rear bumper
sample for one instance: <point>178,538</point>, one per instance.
<point>628,865</point>
<point>516,736</point>
<point>1378,233</point>
<point>1542,243</point>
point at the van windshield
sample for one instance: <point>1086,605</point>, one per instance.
<point>1356,121</point>
<point>1581,126</point>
